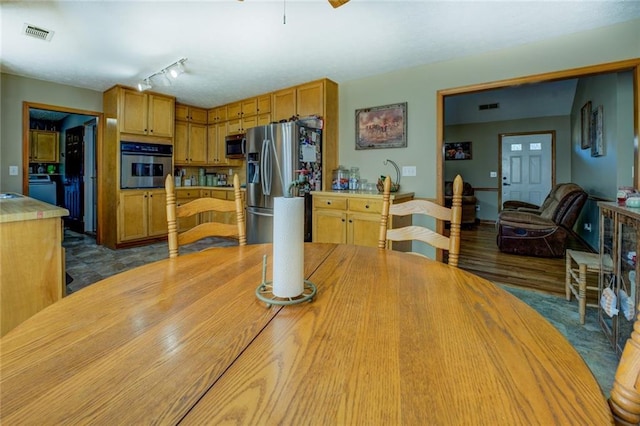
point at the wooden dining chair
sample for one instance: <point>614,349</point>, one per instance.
<point>624,398</point>
<point>204,229</point>
<point>419,233</point>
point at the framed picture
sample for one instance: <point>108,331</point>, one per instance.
<point>597,136</point>
<point>585,136</point>
<point>382,127</point>
<point>457,151</point>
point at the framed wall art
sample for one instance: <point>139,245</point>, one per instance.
<point>585,134</point>
<point>597,136</point>
<point>457,151</point>
<point>382,127</point>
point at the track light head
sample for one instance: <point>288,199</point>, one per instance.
<point>144,85</point>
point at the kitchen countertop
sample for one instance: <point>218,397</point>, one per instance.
<point>20,208</point>
<point>359,194</point>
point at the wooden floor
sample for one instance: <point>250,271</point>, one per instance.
<point>479,254</point>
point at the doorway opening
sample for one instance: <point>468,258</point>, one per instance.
<point>71,168</point>
<point>491,190</point>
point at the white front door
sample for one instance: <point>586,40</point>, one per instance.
<point>526,167</point>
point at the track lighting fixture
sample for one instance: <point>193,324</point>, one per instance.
<point>174,70</point>
<point>144,85</point>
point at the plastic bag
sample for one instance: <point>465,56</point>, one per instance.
<point>608,301</point>
<point>626,304</point>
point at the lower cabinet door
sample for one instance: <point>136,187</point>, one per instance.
<point>329,226</point>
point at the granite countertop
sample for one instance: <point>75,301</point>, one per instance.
<point>17,207</point>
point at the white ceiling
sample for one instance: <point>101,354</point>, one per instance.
<point>238,49</point>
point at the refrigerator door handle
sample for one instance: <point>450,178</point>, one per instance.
<point>261,214</point>
<point>266,172</point>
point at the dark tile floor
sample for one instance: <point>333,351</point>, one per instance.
<point>88,263</point>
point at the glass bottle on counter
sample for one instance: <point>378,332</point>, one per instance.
<point>354,178</point>
<point>340,180</point>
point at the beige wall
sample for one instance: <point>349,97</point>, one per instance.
<point>418,87</point>
<point>14,91</point>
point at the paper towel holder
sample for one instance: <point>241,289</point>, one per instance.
<point>264,291</point>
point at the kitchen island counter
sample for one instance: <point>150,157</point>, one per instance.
<point>16,207</point>
<point>31,258</point>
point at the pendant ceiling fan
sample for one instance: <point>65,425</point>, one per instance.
<point>337,3</point>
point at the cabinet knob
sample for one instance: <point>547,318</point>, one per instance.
<point>350,221</point>
<point>343,220</point>
<point>328,203</point>
<point>366,206</point>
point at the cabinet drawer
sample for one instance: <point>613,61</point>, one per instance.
<point>365,205</point>
<point>329,203</point>
<point>187,193</point>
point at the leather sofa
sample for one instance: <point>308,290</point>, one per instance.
<point>527,229</point>
<point>469,202</point>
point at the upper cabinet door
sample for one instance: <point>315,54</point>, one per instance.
<point>234,111</point>
<point>249,107</point>
<point>198,115</point>
<point>134,112</point>
<point>161,116</point>
<point>264,104</point>
<point>284,104</point>
<point>310,99</point>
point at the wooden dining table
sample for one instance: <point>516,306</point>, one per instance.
<point>390,338</point>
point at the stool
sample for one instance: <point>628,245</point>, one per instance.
<point>576,278</point>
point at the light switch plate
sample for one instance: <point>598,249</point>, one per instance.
<point>408,170</point>
<point>13,170</point>
<point>493,174</point>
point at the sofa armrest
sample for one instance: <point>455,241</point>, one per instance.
<point>514,205</point>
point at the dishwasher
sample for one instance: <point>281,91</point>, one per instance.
<point>42,188</point>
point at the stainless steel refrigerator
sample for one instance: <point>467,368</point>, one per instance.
<point>277,155</point>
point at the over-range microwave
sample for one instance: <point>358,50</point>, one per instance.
<point>235,146</point>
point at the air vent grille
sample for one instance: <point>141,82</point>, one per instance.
<point>37,32</point>
<point>488,106</point>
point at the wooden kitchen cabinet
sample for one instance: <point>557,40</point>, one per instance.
<point>191,114</point>
<point>190,144</point>
<point>249,107</point>
<point>44,146</point>
<point>310,99</point>
<point>143,214</point>
<point>216,149</point>
<point>284,104</point>
<point>217,115</point>
<point>264,104</point>
<point>146,113</point>
<point>353,218</point>
<point>32,267</point>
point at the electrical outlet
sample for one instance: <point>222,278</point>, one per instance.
<point>408,170</point>
<point>13,170</point>
<point>587,227</point>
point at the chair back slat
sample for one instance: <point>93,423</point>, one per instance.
<point>453,215</point>
<point>205,229</point>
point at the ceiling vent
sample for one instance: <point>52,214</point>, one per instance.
<point>37,32</point>
<point>488,106</point>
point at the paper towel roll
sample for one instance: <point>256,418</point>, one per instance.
<point>288,246</point>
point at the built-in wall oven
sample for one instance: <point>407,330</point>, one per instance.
<point>144,165</point>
